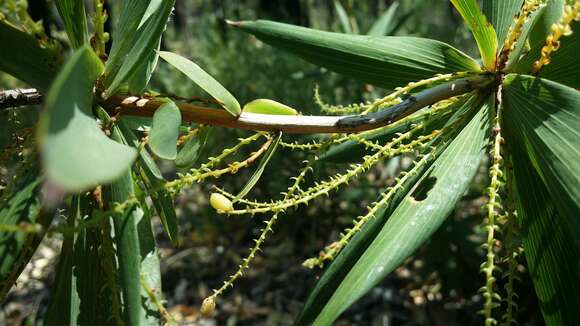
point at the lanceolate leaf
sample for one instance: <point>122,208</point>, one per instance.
<point>165,130</point>
<point>544,120</point>
<point>142,46</point>
<point>386,22</point>
<point>74,18</point>
<point>132,13</point>
<point>382,246</point>
<point>501,15</point>
<point>550,245</point>
<point>76,153</point>
<point>203,80</point>
<point>26,59</point>
<point>482,30</point>
<point>387,62</point>
<point>342,17</point>
<point>260,169</point>
<point>128,243</point>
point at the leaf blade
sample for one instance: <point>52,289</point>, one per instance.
<point>204,80</point>
<point>165,131</point>
<point>27,60</point>
<point>76,153</point>
<point>482,30</point>
<point>501,14</point>
<point>74,18</point>
<point>386,62</point>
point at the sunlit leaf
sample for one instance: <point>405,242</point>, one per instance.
<point>142,45</point>
<point>203,80</point>
<point>482,30</point>
<point>165,130</point>
<point>408,221</point>
<point>501,14</point>
<point>77,155</point>
<point>387,62</point>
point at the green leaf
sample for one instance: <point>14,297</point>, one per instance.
<point>132,13</point>
<point>386,22</point>
<point>516,53</point>
<point>192,149</point>
<point>128,244</point>
<point>482,30</point>
<point>501,13</point>
<point>153,181</point>
<point>342,17</point>
<point>26,59</point>
<point>72,13</point>
<point>142,44</point>
<point>406,223</point>
<point>550,246</point>
<point>20,204</point>
<point>387,62</point>
<point>64,305</point>
<point>544,120</point>
<point>165,130</point>
<point>564,66</point>
<point>550,14</point>
<point>260,169</point>
<point>203,80</point>
<point>76,153</point>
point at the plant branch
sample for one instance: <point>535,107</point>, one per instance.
<point>146,106</point>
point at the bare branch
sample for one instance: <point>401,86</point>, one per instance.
<point>146,106</point>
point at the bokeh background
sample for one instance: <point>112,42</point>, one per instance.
<point>437,286</point>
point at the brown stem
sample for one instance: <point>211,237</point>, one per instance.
<point>146,106</point>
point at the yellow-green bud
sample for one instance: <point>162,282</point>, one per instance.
<point>265,106</point>
<point>220,202</point>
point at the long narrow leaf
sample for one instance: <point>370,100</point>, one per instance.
<point>501,15</point>
<point>260,169</point>
<point>76,153</point>
<point>26,59</point>
<point>482,30</point>
<point>74,18</point>
<point>386,22</point>
<point>154,181</point>
<point>142,46</point>
<point>203,80</point>
<point>132,13</point>
<point>550,245</point>
<point>342,17</point>
<point>544,119</point>
<point>366,259</point>
<point>387,62</point>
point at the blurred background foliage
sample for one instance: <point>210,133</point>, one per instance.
<point>437,286</point>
